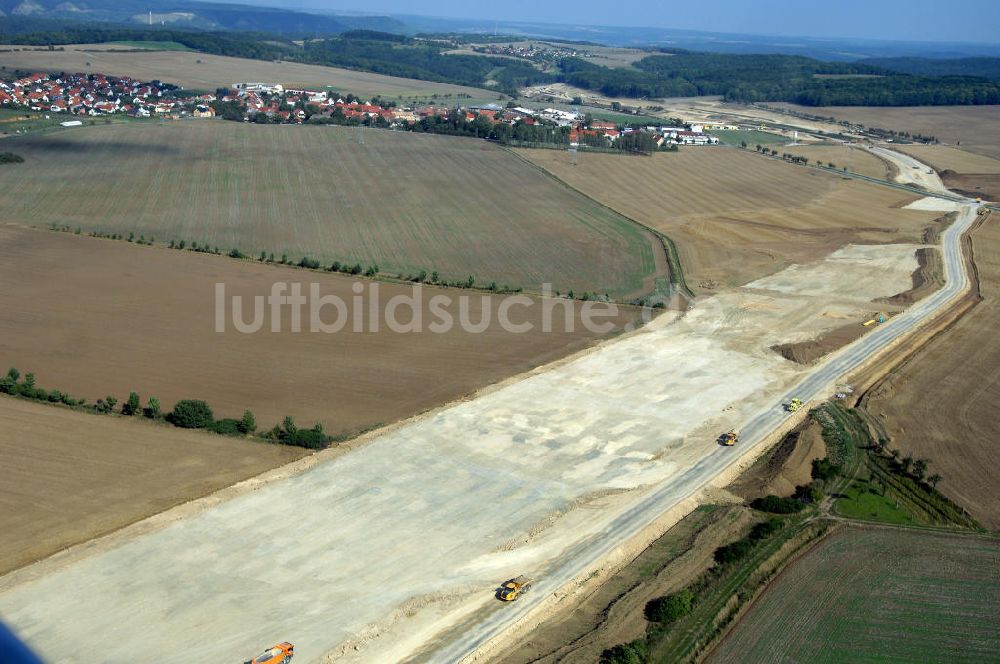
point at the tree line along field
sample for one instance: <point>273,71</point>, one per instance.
<point>202,71</point>
<point>876,595</point>
<point>735,215</point>
<point>110,317</point>
<point>960,372</point>
<point>71,476</point>
<point>403,201</point>
<point>855,159</point>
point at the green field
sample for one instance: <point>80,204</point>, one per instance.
<point>406,202</point>
<point>152,45</point>
<point>752,137</point>
<point>13,122</point>
<point>877,595</point>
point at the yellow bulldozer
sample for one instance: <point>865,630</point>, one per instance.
<point>729,438</point>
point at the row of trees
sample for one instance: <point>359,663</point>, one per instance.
<point>186,413</point>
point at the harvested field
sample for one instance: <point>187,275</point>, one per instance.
<point>964,172</point>
<point>406,202</point>
<point>856,159</point>
<point>737,216</point>
<point>110,317</point>
<point>944,158</point>
<point>201,71</point>
<point>975,128</point>
<point>876,594</point>
<point>71,476</point>
<point>959,373</point>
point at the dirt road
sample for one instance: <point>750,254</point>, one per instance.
<point>369,556</point>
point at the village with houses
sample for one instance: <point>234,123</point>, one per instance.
<point>91,95</point>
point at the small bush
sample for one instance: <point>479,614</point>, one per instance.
<point>227,427</point>
<point>669,608</point>
<point>824,469</point>
<point>191,414</point>
<point>635,652</point>
<point>777,505</point>
<point>731,553</point>
<point>765,529</point>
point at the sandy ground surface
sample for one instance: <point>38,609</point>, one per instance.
<point>910,170</point>
<point>958,373</point>
<point>111,317</point>
<point>201,71</point>
<point>71,476</point>
<point>735,215</point>
<point>508,483</point>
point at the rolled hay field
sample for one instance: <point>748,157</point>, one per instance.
<point>876,595</point>
<point>405,202</point>
<point>735,215</point>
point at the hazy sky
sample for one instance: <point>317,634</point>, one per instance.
<point>917,20</point>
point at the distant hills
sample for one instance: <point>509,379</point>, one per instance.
<point>185,14</point>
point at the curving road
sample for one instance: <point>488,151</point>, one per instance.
<point>816,386</point>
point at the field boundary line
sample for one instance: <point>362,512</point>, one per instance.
<point>675,272</point>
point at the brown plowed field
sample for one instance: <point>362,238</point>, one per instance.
<point>201,71</point>
<point>940,405</point>
<point>735,215</point>
<point>95,317</point>
<point>71,476</point>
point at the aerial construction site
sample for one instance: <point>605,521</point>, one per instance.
<point>366,339</point>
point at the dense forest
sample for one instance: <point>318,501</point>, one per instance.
<point>749,78</point>
<point>982,67</point>
<point>670,73</point>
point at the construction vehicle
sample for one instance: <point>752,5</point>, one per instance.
<point>794,405</point>
<point>279,654</point>
<point>729,438</point>
<point>513,588</point>
<point>879,318</point>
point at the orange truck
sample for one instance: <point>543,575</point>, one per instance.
<point>279,654</point>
